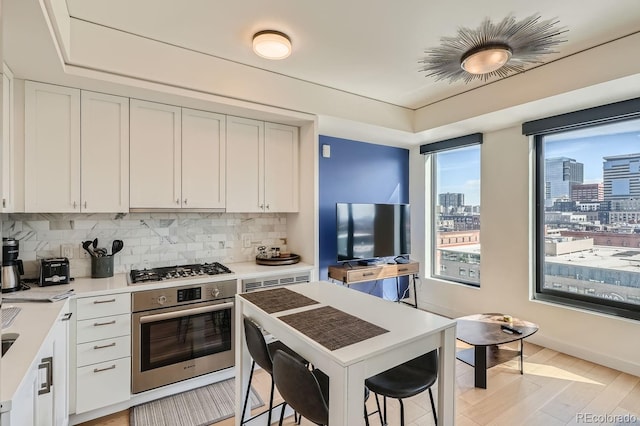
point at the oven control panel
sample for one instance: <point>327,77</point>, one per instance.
<point>182,295</point>
<point>188,294</point>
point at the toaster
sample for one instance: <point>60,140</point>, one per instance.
<point>54,271</point>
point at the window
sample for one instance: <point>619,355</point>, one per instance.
<point>591,262</point>
<point>455,209</point>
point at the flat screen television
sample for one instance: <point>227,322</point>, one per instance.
<point>371,231</point>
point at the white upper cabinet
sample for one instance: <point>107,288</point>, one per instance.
<point>177,157</point>
<point>155,155</point>
<point>262,166</point>
<point>52,148</point>
<point>8,144</point>
<point>245,166</point>
<point>203,159</point>
<point>74,164</point>
<point>105,153</point>
<point>281,168</point>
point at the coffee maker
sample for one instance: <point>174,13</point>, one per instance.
<point>12,268</point>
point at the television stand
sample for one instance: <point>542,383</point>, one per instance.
<point>364,273</point>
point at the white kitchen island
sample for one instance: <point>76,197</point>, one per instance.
<point>410,333</point>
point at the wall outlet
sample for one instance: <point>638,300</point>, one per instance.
<point>66,250</point>
<point>246,240</point>
<point>83,253</point>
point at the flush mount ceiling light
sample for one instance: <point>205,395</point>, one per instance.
<point>271,44</point>
<point>493,49</point>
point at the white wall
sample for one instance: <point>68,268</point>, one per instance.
<point>506,264</point>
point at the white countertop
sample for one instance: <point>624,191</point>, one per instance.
<point>35,320</point>
<point>33,324</point>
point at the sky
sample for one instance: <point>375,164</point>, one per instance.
<point>591,150</point>
<point>459,170</point>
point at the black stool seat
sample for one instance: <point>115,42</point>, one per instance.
<point>400,382</point>
<point>406,380</point>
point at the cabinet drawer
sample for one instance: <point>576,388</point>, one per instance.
<point>102,306</point>
<point>103,350</point>
<point>369,274</point>
<point>103,384</point>
<point>401,269</point>
<point>103,328</point>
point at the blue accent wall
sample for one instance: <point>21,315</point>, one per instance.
<point>358,172</point>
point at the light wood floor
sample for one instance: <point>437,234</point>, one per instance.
<point>554,390</point>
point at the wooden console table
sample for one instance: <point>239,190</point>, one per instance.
<point>352,274</point>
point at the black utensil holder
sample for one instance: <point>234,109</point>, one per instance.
<point>102,267</point>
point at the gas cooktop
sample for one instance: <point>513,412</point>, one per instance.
<point>174,272</point>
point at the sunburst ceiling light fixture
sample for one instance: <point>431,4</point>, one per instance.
<point>493,49</point>
<point>271,44</point>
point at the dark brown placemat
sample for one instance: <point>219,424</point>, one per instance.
<point>332,328</point>
<point>277,299</point>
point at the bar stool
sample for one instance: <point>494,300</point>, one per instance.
<point>306,391</point>
<point>263,354</point>
<point>404,381</point>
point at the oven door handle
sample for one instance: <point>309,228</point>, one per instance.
<point>185,312</point>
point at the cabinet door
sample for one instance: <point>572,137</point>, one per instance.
<point>8,147</point>
<point>61,371</point>
<point>45,386</point>
<point>245,165</point>
<point>203,159</point>
<point>52,148</point>
<point>280,168</point>
<point>24,403</point>
<point>105,153</point>
<point>155,163</point>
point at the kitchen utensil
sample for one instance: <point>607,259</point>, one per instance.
<point>101,252</point>
<point>86,245</point>
<point>95,243</point>
<point>116,246</point>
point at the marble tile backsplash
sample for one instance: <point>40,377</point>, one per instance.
<point>150,239</point>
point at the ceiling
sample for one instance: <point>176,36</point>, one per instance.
<point>369,48</point>
<point>354,67</point>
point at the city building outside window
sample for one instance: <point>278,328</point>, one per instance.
<point>588,209</point>
<point>455,209</point>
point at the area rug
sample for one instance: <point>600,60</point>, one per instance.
<point>197,407</point>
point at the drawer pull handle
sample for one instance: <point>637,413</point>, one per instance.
<point>98,324</point>
<point>95,302</point>
<point>366,274</point>
<point>98,370</point>
<point>110,345</point>
<point>67,316</point>
<point>45,387</point>
<point>403,269</point>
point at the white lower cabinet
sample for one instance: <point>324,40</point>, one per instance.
<point>43,400</point>
<point>102,351</point>
<point>102,384</point>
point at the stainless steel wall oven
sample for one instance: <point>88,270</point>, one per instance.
<point>181,332</point>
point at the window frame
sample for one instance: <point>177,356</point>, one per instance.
<point>592,117</point>
<point>432,149</point>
